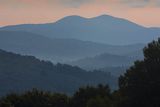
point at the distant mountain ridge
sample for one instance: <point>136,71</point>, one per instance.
<point>104,61</point>
<point>101,29</point>
<point>59,50</point>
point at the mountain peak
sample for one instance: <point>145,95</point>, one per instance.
<point>72,18</point>
<point>80,18</point>
<point>102,29</point>
<point>104,16</point>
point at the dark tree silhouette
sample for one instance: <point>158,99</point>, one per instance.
<point>99,102</point>
<point>91,95</point>
<point>35,98</point>
<point>140,86</point>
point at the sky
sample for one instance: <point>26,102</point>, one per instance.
<point>143,12</point>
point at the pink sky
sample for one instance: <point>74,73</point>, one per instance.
<point>144,12</point>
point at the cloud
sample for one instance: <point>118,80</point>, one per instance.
<point>136,3</point>
<point>130,3</point>
<point>72,3</point>
<point>157,3</point>
<point>78,3</point>
<point>141,3</point>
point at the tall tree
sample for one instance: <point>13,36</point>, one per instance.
<point>140,86</point>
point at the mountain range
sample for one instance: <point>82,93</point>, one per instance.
<point>101,29</point>
<point>20,73</point>
<point>104,43</point>
<point>104,61</point>
<point>60,50</point>
<point>91,43</point>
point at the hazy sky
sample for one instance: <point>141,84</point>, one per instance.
<point>144,12</point>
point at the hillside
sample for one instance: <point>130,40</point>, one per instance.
<point>19,73</point>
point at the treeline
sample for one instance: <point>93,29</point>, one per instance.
<point>138,87</point>
<point>84,97</point>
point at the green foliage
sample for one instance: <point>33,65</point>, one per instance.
<point>84,95</point>
<point>35,98</point>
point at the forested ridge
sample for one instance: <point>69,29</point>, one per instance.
<point>20,73</point>
<point>138,87</point>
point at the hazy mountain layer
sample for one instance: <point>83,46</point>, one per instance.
<point>102,29</point>
<point>19,73</point>
<point>103,61</point>
<point>60,50</point>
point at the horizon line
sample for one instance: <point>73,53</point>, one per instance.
<point>80,17</point>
